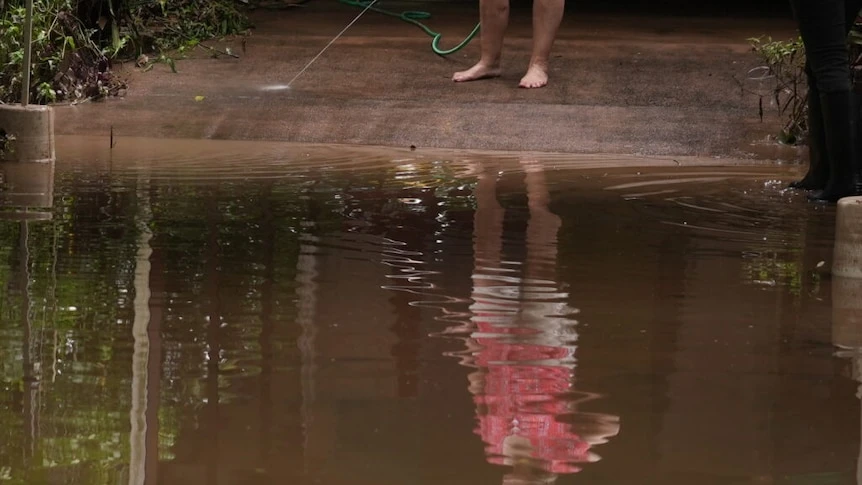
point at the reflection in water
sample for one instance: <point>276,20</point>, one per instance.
<point>147,348</point>
<point>141,355</point>
<point>847,335</point>
<point>257,321</point>
<point>27,192</point>
<point>306,291</point>
<point>30,356</point>
<point>522,344</point>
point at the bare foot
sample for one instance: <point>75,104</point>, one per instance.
<point>479,71</point>
<point>536,77</point>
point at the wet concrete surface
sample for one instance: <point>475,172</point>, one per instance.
<point>621,83</point>
<point>195,312</point>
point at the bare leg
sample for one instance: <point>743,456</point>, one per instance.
<point>494,15</point>
<point>547,15</point>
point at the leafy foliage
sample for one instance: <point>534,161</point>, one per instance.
<point>66,63</point>
<point>6,142</point>
<point>76,41</point>
<point>784,61</point>
<point>159,25</point>
<point>785,64</point>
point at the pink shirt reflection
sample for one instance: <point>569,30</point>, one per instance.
<point>521,342</point>
<point>523,382</point>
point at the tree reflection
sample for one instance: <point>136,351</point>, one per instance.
<point>211,295</point>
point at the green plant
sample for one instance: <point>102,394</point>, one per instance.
<point>158,26</point>
<point>75,42</point>
<point>66,63</point>
<point>6,142</point>
<point>855,45</point>
<point>784,61</point>
<point>148,63</point>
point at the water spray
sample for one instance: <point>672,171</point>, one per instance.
<point>287,86</point>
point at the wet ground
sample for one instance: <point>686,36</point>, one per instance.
<point>188,313</point>
<point>623,81</point>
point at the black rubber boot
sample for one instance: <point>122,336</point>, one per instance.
<point>839,124</point>
<point>818,166</point>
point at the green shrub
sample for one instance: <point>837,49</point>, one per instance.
<point>785,63</point>
<point>161,25</point>
<point>66,63</point>
<point>76,41</point>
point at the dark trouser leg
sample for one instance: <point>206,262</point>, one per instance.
<point>850,14</point>
<point>839,123</point>
<point>823,25</point>
<point>818,163</point>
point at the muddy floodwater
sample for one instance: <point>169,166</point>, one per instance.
<point>226,313</point>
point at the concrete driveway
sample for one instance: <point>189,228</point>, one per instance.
<point>620,84</point>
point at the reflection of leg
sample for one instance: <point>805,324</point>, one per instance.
<point>487,223</point>
<point>543,305</point>
<point>547,15</point>
<point>487,253</point>
<point>487,256</point>
<point>526,468</point>
<point>494,15</point>
<point>542,226</point>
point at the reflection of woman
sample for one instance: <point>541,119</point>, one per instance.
<point>522,343</point>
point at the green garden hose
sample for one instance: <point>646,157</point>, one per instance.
<point>414,17</point>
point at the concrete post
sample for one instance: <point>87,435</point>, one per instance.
<point>26,133</point>
<point>847,312</point>
<point>847,290</point>
<point>27,185</point>
<point>847,259</point>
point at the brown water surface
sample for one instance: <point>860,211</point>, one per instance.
<point>228,313</point>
